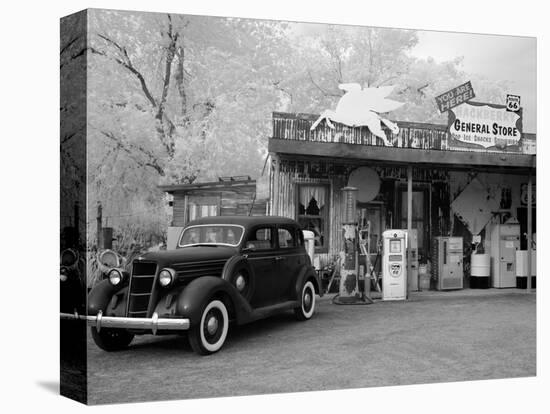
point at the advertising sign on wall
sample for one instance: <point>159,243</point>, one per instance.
<point>455,97</point>
<point>513,102</point>
<point>483,126</point>
<point>523,194</point>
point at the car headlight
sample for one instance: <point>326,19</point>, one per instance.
<point>167,277</point>
<point>116,276</point>
<point>69,257</point>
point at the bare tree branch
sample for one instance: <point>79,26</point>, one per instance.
<point>131,150</point>
<point>126,62</point>
<point>279,88</point>
<point>170,53</point>
<point>67,138</point>
<point>180,80</point>
<point>324,92</point>
<point>68,45</point>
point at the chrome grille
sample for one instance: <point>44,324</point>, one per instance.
<point>141,286</point>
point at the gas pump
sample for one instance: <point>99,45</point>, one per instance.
<point>349,278</point>
<point>394,265</point>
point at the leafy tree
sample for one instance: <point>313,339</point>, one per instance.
<point>173,98</point>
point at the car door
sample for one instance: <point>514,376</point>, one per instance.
<point>261,252</point>
<point>290,258</point>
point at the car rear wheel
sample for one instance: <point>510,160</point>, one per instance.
<point>209,335</point>
<point>110,339</point>
<point>307,302</point>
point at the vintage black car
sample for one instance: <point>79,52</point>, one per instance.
<point>225,270</point>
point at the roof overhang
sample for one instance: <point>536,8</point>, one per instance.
<point>215,185</point>
<point>405,156</point>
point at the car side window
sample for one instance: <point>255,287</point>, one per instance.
<point>260,239</point>
<point>287,238</point>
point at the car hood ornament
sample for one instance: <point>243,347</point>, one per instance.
<point>361,107</point>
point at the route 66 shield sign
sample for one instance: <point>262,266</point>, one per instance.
<point>512,103</point>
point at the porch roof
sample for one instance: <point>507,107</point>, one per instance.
<point>221,184</point>
<point>514,162</point>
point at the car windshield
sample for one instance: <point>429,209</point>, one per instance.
<point>212,234</point>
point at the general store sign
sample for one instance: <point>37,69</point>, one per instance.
<point>484,125</point>
<point>455,97</point>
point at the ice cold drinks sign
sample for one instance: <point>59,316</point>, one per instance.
<point>485,125</point>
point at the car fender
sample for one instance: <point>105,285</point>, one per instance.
<point>234,263</point>
<point>72,293</point>
<point>193,297</point>
<point>100,296</point>
<point>307,272</point>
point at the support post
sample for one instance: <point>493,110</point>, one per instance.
<point>276,187</point>
<point>409,227</point>
<point>185,209</point>
<point>529,229</point>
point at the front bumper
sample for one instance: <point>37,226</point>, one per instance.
<point>154,323</point>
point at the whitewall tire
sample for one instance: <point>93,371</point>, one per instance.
<point>307,302</point>
<point>209,336</point>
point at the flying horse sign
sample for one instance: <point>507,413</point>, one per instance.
<point>361,107</point>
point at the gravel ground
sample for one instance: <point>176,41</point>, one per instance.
<point>433,337</point>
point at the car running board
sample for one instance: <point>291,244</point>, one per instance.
<point>261,313</point>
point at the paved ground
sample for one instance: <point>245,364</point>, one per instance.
<point>434,337</point>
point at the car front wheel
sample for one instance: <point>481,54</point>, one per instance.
<point>209,335</point>
<point>307,302</point>
<point>110,339</point>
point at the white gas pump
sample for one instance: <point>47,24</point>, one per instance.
<point>394,265</point>
<point>309,241</point>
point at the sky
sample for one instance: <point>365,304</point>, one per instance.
<point>497,58</point>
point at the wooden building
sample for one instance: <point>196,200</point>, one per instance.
<point>227,196</point>
<point>416,180</point>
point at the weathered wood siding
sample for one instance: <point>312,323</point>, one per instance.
<point>288,174</point>
<point>231,201</point>
<point>411,134</point>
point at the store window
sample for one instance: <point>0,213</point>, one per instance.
<point>198,207</point>
<point>313,212</point>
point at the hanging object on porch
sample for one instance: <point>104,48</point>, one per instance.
<point>367,182</point>
<point>349,271</point>
<point>474,206</point>
<point>361,107</point>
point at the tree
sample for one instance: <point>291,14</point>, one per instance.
<point>324,56</point>
<point>174,98</point>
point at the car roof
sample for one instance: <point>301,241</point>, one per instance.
<point>245,221</point>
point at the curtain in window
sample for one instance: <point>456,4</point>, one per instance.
<point>312,198</point>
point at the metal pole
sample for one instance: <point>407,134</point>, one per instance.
<point>409,227</point>
<point>529,229</point>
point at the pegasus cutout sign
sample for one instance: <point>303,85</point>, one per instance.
<point>361,107</point>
